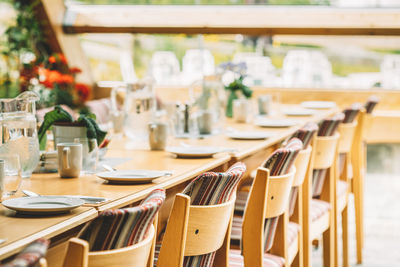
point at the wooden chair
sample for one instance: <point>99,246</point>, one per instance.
<point>196,230</point>
<point>199,226</point>
<point>78,254</point>
<point>318,215</point>
<point>32,255</point>
<point>344,175</point>
<point>118,237</point>
<point>295,247</point>
<point>269,197</point>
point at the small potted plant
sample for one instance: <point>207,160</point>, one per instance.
<point>66,129</point>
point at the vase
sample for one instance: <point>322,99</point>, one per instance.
<point>66,132</point>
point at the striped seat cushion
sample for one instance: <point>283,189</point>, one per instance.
<point>241,200</point>
<point>342,187</point>
<point>318,208</point>
<point>31,255</point>
<point>212,188</point>
<point>269,230</point>
<point>371,103</point>
<point>293,199</point>
<point>318,180</point>
<point>120,228</point>
<point>306,133</point>
<point>293,232</point>
<point>329,126</point>
<point>351,112</point>
<point>280,162</point>
<point>269,260</point>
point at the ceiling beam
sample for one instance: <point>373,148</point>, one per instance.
<point>250,20</point>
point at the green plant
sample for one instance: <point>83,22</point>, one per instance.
<point>235,87</point>
<point>23,47</point>
<point>60,115</point>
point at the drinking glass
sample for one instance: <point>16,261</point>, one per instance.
<point>11,181</point>
<point>90,154</point>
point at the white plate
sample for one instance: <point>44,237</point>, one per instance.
<point>275,123</point>
<point>131,176</point>
<point>194,151</point>
<point>43,204</point>
<point>299,112</point>
<point>242,135</point>
<point>318,104</point>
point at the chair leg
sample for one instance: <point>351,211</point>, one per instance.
<point>345,236</point>
<point>358,218</point>
<point>336,235</point>
<point>329,247</point>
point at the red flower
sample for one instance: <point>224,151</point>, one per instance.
<point>62,58</point>
<point>65,78</point>
<point>75,70</point>
<point>52,60</point>
<point>83,91</point>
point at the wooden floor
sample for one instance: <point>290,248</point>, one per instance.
<point>382,211</point>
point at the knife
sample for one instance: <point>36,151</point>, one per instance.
<point>87,199</point>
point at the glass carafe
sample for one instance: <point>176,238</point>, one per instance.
<point>18,130</point>
<point>212,100</point>
<point>138,108</point>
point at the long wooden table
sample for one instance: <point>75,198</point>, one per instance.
<point>19,231</point>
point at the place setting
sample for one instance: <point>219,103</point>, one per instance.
<point>318,104</point>
<point>236,134</point>
<point>114,176</point>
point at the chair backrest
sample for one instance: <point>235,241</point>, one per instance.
<point>301,164</point>
<point>324,151</point>
<point>120,228</point>
<point>78,254</point>
<point>32,255</point>
<point>269,196</point>
<point>346,132</point>
<point>201,238</point>
<point>278,194</point>
<point>198,229</point>
<point>135,255</point>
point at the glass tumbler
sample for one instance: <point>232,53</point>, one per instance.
<point>90,154</point>
<point>10,181</point>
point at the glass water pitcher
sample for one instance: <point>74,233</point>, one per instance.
<point>18,130</point>
<point>138,108</point>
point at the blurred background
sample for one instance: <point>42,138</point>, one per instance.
<point>360,62</point>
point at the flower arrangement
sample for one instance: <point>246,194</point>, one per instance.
<point>235,86</point>
<point>57,83</point>
<point>30,64</point>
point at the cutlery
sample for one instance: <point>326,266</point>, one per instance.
<point>111,169</point>
<point>221,149</point>
<point>87,199</point>
<point>108,167</point>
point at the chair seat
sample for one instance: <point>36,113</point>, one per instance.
<point>293,232</point>
<point>318,208</point>
<point>342,187</point>
<point>236,260</point>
